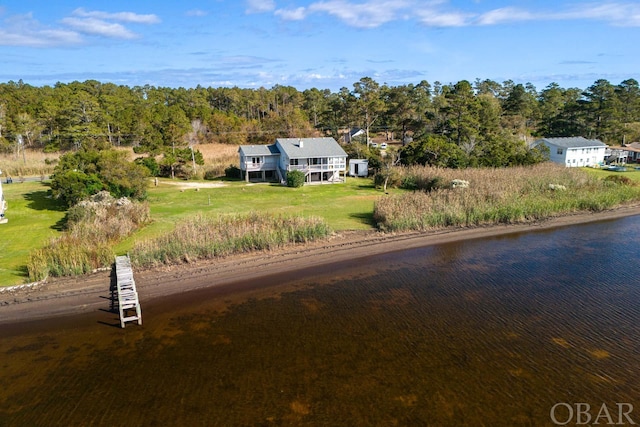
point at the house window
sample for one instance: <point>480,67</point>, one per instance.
<point>293,162</point>
<point>256,160</point>
<point>315,161</point>
<point>560,151</point>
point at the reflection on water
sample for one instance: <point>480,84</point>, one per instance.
<point>487,332</point>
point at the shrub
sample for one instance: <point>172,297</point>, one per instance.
<point>85,172</point>
<point>233,172</point>
<point>409,183</point>
<point>93,227</point>
<point>295,178</point>
<point>71,186</point>
<point>150,163</point>
<point>619,179</point>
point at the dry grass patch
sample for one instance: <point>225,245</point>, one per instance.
<point>32,163</point>
<point>495,196</point>
<point>218,157</point>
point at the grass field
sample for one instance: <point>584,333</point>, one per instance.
<point>343,207</point>
<point>34,218</point>
<point>631,172</point>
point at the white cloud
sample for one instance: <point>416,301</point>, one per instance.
<point>99,23</point>
<point>41,38</point>
<point>505,15</point>
<point>439,13</point>
<point>260,6</point>
<point>99,27</point>
<point>370,14</point>
<point>619,14</point>
<point>433,18</point>
<point>292,14</point>
<point>23,30</point>
<point>130,17</point>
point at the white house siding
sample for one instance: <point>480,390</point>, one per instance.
<point>575,152</point>
<point>588,156</point>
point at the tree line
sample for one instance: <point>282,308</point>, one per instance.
<point>457,124</point>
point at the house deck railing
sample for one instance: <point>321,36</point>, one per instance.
<point>317,168</point>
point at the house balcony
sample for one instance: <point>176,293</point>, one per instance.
<point>317,168</point>
<point>258,167</point>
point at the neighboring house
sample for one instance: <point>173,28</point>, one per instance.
<point>574,151</point>
<point>616,155</point>
<point>634,152</point>
<point>359,167</point>
<point>355,134</point>
<point>321,159</point>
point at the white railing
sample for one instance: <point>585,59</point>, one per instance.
<point>317,168</point>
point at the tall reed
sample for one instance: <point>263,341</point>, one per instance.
<point>202,237</point>
<point>93,227</point>
<point>29,163</point>
<point>510,195</point>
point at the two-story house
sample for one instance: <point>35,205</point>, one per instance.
<point>575,151</point>
<point>322,160</point>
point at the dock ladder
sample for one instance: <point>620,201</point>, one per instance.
<point>127,293</point>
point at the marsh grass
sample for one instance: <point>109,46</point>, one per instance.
<point>32,163</point>
<point>497,196</point>
<point>94,227</point>
<point>218,157</point>
<point>203,237</point>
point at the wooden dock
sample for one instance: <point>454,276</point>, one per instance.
<point>127,293</point>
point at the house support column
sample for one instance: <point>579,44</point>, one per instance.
<point>246,175</point>
<point>264,176</point>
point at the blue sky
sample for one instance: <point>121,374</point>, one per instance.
<point>324,44</point>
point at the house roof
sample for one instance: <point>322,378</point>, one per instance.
<point>356,131</point>
<point>298,148</point>
<point>634,146</point>
<point>573,142</point>
<point>259,150</point>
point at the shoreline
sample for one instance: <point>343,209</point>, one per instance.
<point>61,297</point>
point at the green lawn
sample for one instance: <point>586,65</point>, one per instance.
<point>631,172</point>
<point>34,218</point>
<point>344,207</point>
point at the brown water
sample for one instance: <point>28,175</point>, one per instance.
<point>488,332</point>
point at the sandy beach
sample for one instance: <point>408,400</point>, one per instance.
<point>70,296</point>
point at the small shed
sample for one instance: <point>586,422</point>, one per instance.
<point>359,167</point>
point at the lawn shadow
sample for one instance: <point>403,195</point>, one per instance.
<point>42,200</point>
<point>23,270</point>
<point>370,186</point>
<point>364,217</point>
